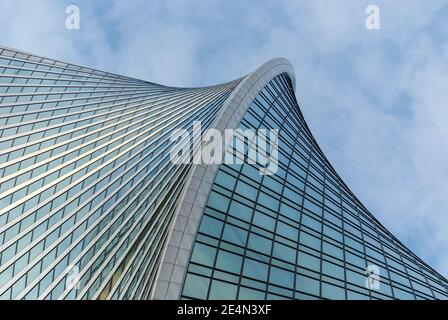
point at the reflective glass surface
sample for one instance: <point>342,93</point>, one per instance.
<point>87,191</point>
<point>297,234</point>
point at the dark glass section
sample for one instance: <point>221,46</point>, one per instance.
<point>298,234</point>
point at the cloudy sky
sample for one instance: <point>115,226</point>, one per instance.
<point>376,100</point>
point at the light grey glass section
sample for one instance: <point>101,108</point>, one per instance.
<point>87,190</point>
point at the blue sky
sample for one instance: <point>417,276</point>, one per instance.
<point>376,101</point>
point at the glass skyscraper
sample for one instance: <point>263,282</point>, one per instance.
<point>91,207</point>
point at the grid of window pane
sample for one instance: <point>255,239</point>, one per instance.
<point>298,234</point>
<point>85,176</point>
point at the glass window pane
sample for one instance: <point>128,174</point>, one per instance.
<point>281,277</point>
<point>218,202</point>
<point>332,292</point>
<point>211,226</point>
<point>196,286</point>
<point>235,235</point>
<point>263,221</point>
<point>307,284</point>
<point>229,262</point>
<point>259,244</point>
<point>222,291</point>
<point>250,294</point>
<point>308,261</point>
<point>255,269</point>
<point>203,254</point>
<point>240,211</point>
<point>284,253</point>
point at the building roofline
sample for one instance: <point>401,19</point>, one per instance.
<point>171,273</point>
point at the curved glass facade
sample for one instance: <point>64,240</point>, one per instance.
<point>87,191</point>
<point>298,234</point>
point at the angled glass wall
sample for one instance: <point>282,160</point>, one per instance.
<point>298,234</point>
<point>87,191</point>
